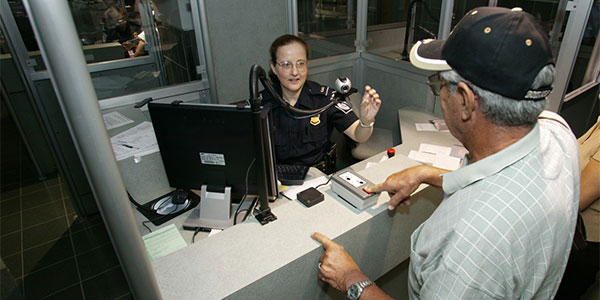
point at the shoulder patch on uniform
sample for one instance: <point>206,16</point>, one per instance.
<point>344,107</point>
<point>324,90</point>
<point>317,89</point>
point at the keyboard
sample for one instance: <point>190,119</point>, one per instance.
<point>291,174</point>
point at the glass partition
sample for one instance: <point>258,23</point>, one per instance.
<point>386,33</point>
<point>24,27</point>
<point>463,7</point>
<point>387,23</point>
<point>386,26</point>
<point>328,26</point>
<point>587,56</point>
<point>130,45</point>
<point>547,13</point>
<point>544,11</point>
<point>161,31</point>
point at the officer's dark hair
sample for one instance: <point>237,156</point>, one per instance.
<point>281,41</point>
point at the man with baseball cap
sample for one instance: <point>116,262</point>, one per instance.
<point>504,228</point>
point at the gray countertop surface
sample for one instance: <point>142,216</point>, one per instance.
<point>279,260</point>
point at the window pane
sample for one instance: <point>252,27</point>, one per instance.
<point>388,19</point>
<point>328,26</point>
<point>386,31</point>
<point>102,28</point>
<point>27,35</point>
<point>124,31</point>
<point>463,7</point>
<point>545,12</point>
<point>386,26</point>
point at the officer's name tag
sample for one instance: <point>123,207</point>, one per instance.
<point>344,107</point>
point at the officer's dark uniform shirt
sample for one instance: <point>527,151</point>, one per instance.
<point>305,141</point>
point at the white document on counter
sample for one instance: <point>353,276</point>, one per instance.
<point>435,149</point>
<point>423,157</point>
<point>115,119</point>
<point>293,190</point>
<point>136,141</point>
<point>437,160</point>
<point>163,241</point>
<point>425,127</point>
<point>370,164</point>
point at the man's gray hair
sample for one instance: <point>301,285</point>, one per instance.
<point>502,110</point>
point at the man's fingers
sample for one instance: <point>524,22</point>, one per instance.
<point>374,188</point>
<point>321,238</point>
<point>396,200</point>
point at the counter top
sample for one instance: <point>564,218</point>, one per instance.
<point>279,260</point>
<point>250,258</point>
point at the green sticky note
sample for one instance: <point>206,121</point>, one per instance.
<point>163,241</point>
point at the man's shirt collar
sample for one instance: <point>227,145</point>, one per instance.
<point>492,164</point>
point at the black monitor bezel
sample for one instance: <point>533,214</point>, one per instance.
<point>194,126</point>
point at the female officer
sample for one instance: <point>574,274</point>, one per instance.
<point>305,141</point>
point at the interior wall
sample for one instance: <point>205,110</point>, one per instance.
<point>328,77</point>
<point>389,42</point>
<point>240,35</point>
<point>399,85</point>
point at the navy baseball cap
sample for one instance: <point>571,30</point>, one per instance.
<point>498,49</point>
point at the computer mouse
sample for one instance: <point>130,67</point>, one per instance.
<point>179,196</point>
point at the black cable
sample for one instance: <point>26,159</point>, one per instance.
<point>196,232</point>
<point>151,221</point>
<point>245,193</point>
<point>293,111</point>
<point>257,73</point>
<point>137,204</point>
<point>250,209</point>
<point>326,182</point>
<point>253,208</point>
<point>144,223</point>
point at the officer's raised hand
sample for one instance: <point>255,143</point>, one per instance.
<point>361,129</point>
<point>369,106</point>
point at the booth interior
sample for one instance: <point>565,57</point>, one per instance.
<point>189,130</point>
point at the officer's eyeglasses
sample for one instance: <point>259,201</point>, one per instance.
<point>435,82</point>
<point>287,65</point>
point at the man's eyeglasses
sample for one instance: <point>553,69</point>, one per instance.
<point>435,82</point>
<point>287,65</point>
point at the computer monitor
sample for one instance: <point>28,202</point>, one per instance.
<point>209,147</point>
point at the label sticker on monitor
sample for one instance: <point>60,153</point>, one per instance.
<point>212,159</point>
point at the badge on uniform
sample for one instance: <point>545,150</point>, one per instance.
<point>314,121</point>
<point>344,107</point>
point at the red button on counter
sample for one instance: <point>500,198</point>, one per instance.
<point>391,152</point>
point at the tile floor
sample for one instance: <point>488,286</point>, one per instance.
<point>46,250</point>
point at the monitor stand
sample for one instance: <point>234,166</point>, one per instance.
<point>215,210</point>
